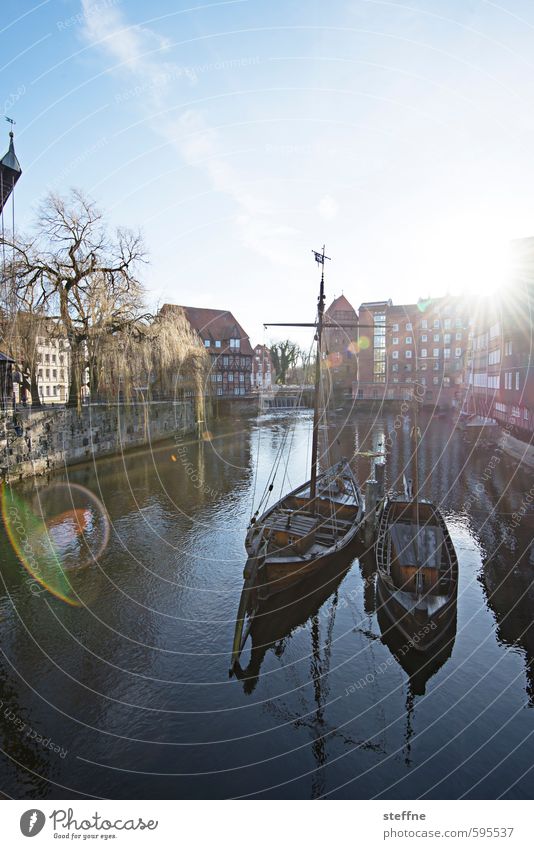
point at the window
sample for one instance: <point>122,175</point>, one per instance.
<point>517,380</point>
<point>494,330</point>
<point>235,343</point>
<point>207,343</point>
<point>395,355</point>
<point>408,340</point>
<point>424,338</point>
<point>447,339</point>
<point>231,377</point>
<point>54,358</point>
<point>435,381</point>
<point>40,374</point>
<point>219,378</point>
<point>435,352</point>
<point>408,355</point>
<point>241,378</point>
<point>219,391</point>
<point>395,340</point>
<point>493,381</point>
<point>395,328</point>
<point>423,380</point>
<point>458,337</point>
<point>48,374</point>
<point>409,326</point>
<point>508,348</point>
<point>47,358</point>
<point>48,390</point>
<point>447,353</point>
<point>507,379</point>
<point>225,360</point>
<point>408,367</point>
<point>379,348</point>
<point>217,343</point>
<point>423,352</point>
<point>457,352</point>
<point>62,374</point>
<point>424,324</point>
<point>447,324</point>
<point>436,323</point>
<point>494,357</point>
<point>214,378</point>
<point>395,367</point>
<point>436,337</point>
<point>516,412</point>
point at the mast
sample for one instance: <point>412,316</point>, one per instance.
<point>416,436</point>
<point>319,258</point>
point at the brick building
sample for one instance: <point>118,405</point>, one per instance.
<point>340,342</point>
<point>424,343</point>
<point>500,371</point>
<point>228,346</point>
<point>263,375</point>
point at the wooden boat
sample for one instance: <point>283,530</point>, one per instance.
<point>307,528</point>
<point>417,570</point>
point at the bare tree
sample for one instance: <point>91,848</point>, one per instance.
<point>284,355</point>
<point>20,329</point>
<point>85,278</point>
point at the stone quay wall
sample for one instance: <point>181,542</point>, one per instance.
<point>40,441</point>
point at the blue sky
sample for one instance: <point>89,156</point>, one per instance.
<point>240,135</point>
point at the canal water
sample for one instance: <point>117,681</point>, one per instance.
<point>115,683</point>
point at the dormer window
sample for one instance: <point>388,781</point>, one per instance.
<point>235,343</point>
<point>207,343</point>
<point>217,343</point>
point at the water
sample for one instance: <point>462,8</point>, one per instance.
<point>128,694</point>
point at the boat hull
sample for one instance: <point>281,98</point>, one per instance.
<point>421,618</point>
<point>422,632</point>
<point>281,569</point>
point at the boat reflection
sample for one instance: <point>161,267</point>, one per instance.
<point>278,618</point>
<point>419,667</point>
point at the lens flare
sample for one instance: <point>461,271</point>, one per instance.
<point>63,528</point>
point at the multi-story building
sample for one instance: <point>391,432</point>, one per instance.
<point>372,360</point>
<point>340,342</point>
<point>228,346</point>
<point>500,375</point>
<point>53,370</point>
<point>421,344</point>
<point>262,368</point>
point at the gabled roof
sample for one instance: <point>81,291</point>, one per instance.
<point>340,305</point>
<point>214,325</point>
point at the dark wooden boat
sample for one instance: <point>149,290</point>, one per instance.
<point>417,570</point>
<point>306,529</point>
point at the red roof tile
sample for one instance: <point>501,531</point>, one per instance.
<point>214,325</point>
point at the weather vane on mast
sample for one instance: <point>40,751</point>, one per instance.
<point>320,257</point>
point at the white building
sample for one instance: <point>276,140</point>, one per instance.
<point>262,368</point>
<point>53,369</point>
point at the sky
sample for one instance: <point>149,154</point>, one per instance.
<point>240,135</point>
